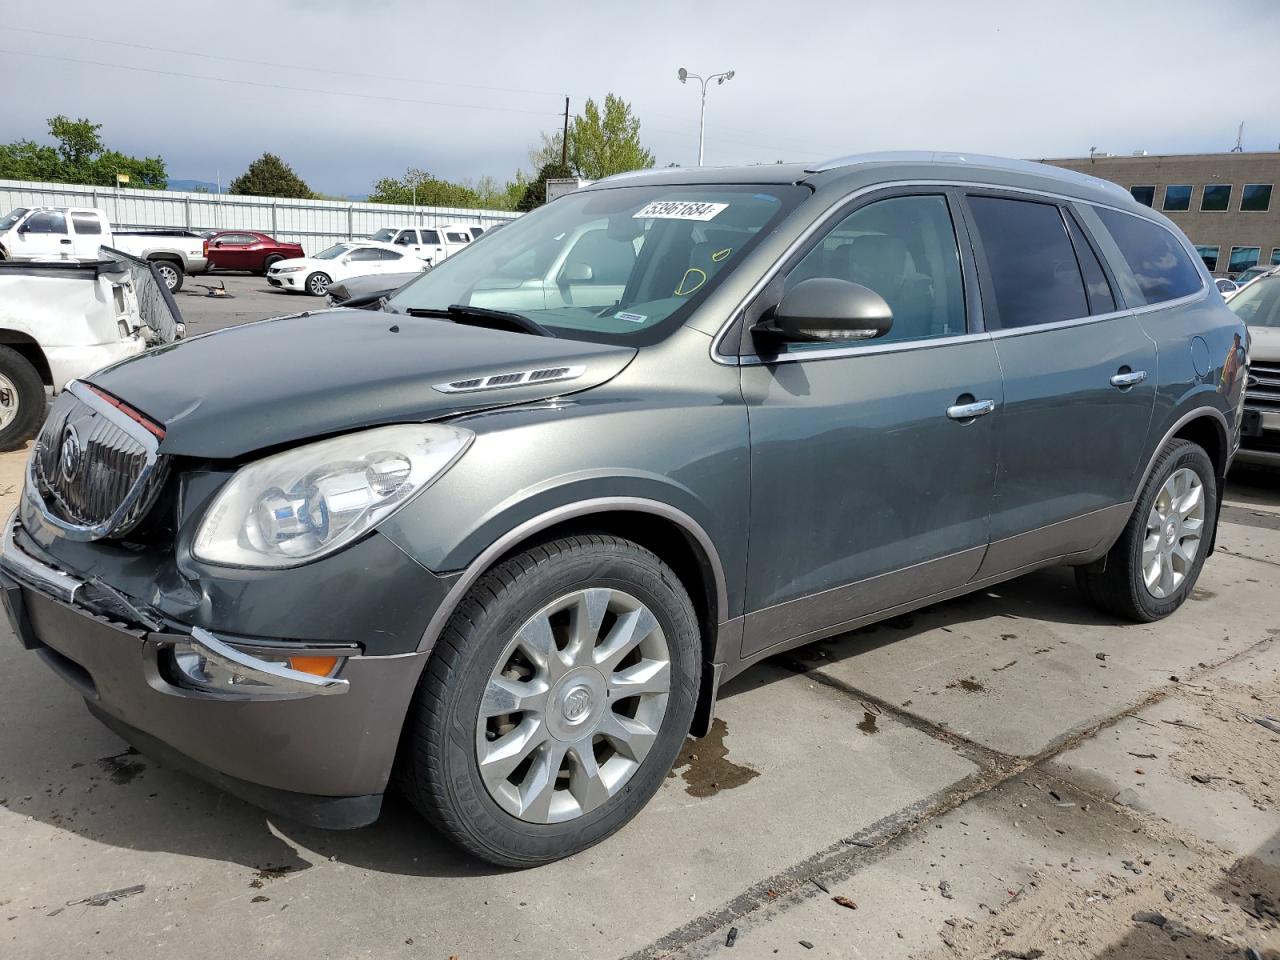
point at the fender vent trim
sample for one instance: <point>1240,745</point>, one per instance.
<point>514,378</point>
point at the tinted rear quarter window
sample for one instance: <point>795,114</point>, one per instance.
<point>1101,299</point>
<point>1163,268</point>
<point>86,224</point>
<point>1031,263</point>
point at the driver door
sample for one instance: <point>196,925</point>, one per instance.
<point>869,488</point>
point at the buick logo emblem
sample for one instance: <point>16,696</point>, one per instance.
<point>577,704</point>
<point>71,456</point>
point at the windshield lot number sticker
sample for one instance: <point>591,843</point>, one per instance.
<point>679,210</point>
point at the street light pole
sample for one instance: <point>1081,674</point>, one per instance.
<point>719,78</point>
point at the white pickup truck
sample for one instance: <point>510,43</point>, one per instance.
<point>42,234</point>
<point>431,244</point>
<point>61,320</point>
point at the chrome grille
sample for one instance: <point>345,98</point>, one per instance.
<point>1263,390</point>
<point>93,472</point>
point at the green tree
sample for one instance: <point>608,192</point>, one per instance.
<point>426,190</point>
<point>78,157</point>
<point>604,143</point>
<point>269,176</point>
<point>535,192</point>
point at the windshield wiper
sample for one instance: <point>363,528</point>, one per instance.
<point>483,317</point>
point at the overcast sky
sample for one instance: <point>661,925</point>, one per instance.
<point>463,89</point>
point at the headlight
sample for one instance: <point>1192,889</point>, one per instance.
<point>286,269</point>
<point>299,505</point>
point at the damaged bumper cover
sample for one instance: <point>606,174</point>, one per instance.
<point>315,747</point>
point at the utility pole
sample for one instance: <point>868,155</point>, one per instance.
<point>564,138</point>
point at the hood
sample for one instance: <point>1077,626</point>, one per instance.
<point>1264,344</point>
<point>279,381</point>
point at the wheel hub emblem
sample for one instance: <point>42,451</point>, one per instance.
<point>1170,531</point>
<point>71,456</point>
<point>577,704</point>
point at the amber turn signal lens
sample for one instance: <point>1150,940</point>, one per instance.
<point>318,666</point>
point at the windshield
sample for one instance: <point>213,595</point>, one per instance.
<point>620,265</point>
<point>385,235</point>
<point>333,253</point>
<point>1258,304</point>
<point>12,218</point>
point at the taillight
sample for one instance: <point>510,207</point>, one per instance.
<point>204,249</point>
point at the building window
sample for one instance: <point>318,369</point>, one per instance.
<point>1242,258</point>
<point>1255,198</point>
<point>1216,197</point>
<point>1209,254</point>
<point>1275,256</point>
<point>1177,197</point>
<point>1144,195</point>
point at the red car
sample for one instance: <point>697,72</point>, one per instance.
<point>243,250</point>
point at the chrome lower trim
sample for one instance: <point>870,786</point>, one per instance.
<point>26,569</point>
<point>276,678</point>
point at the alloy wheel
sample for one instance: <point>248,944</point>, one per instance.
<point>8,402</point>
<point>1174,527</point>
<point>318,285</point>
<point>573,705</point>
<point>168,274</point>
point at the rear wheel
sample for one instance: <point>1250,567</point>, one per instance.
<point>269,263</point>
<point>170,274</point>
<point>22,399</point>
<point>1154,565</point>
<point>318,284</point>
<point>555,702</point>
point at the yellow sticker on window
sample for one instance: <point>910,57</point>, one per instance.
<point>721,254</point>
<point>700,279</point>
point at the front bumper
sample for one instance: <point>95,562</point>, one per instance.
<point>287,281</point>
<point>324,760</point>
<point>1259,437</point>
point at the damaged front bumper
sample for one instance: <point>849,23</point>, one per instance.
<point>317,748</point>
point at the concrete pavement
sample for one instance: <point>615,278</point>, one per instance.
<point>981,743</point>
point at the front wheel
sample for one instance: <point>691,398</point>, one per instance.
<point>1154,565</point>
<point>555,702</point>
<point>22,399</point>
<point>318,284</point>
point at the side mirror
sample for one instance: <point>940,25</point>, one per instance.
<point>346,261</point>
<point>576,273</point>
<point>24,229</point>
<point>217,243</point>
<point>826,309</point>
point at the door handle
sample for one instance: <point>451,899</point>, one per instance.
<point>1128,378</point>
<point>968,411</point>
<point>64,241</point>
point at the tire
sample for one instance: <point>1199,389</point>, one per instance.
<point>440,768</point>
<point>22,387</point>
<point>317,284</point>
<point>1118,583</point>
<point>269,263</point>
<point>171,274</point>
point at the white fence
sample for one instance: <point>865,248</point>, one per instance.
<point>315,224</point>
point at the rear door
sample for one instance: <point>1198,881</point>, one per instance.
<point>86,235</point>
<point>872,462</point>
<point>1079,380</point>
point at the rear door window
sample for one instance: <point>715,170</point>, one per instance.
<point>1101,299</point>
<point>86,224</point>
<point>1033,274</point>
<point>431,237</point>
<point>1159,262</point>
<point>458,238</point>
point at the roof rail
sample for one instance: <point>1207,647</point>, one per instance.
<point>971,160</point>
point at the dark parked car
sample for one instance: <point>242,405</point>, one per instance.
<point>511,533</point>
<point>243,250</point>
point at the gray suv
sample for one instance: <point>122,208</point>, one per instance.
<point>501,541</point>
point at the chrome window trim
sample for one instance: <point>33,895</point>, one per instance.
<point>150,444</point>
<point>845,350</point>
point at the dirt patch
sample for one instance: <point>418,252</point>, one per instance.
<point>269,872</point>
<point>122,768</point>
<point>968,685</point>
<point>1200,593</point>
<point>868,724</point>
<point>705,765</point>
<point>1227,752</point>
